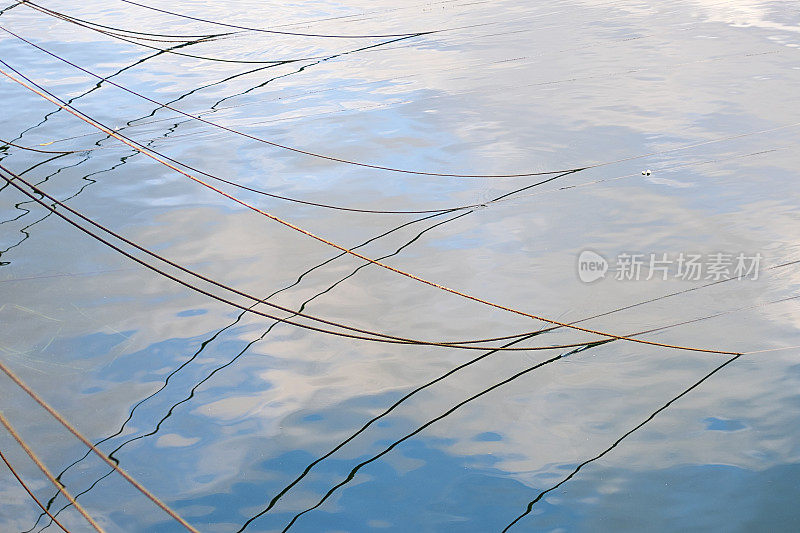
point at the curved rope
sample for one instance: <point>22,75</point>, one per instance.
<point>617,442</point>
<point>55,100</point>
<point>30,149</point>
<point>383,337</point>
<point>283,146</point>
<point>31,494</point>
<point>387,168</point>
<point>113,28</point>
<point>62,489</point>
<point>276,32</point>
<point>168,50</point>
<point>138,486</point>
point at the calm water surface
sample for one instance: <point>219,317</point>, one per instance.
<point>217,412</point>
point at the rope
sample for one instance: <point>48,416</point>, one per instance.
<point>278,145</point>
<point>393,445</point>
<point>394,169</point>
<point>112,28</point>
<point>61,488</point>
<point>7,143</point>
<point>31,494</point>
<point>167,50</point>
<point>53,99</point>
<point>385,338</point>
<point>308,202</point>
<point>277,32</point>
<point>38,399</point>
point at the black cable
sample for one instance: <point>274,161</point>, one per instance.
<point>291,148</point>
<point>391,339</point>
<point>618,441</point>
<point>277,32</point>
<point>112,28</point>
<point>170,51</point>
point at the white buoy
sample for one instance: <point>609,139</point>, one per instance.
<point>646,172</point>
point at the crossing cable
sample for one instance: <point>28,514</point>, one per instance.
<point>276,32</point>
<point>172,51</point>
<point>383,337</point>
<point>387,168</point>
<point>30,493</point>
<point>61,488</point>
<point>37,89</point>
<point>39,400</point>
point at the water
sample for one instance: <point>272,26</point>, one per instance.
<point>511,87</point>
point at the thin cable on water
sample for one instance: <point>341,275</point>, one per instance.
<point>376,336</point>
<point>98,146</point>
<point>62,489</point>
<point>616,443</point>
<point>135,39</point>
<point>481,357</point>
<point>55,100</point>
<point>31,494</point>
<point>323,205</point>
<point>319,204</point>
<point>446,344</point>
<point>353,253</point>
<point>508,197</point>
<point>171,51</point>
<point>10,7</point>
<point>99,84</point>
<point>377,13</point>
<point>24,211</point>
<point>214,108</point>
<point>330,206</point>
<point>450,411</point>
<point>394,169</point>
<point>282,146</point>
<point>122,30</point>
<point>206,342</point>
<point>31,149</point>
<point>475,65</point>
<point>386,338</point>
<point>27,170</point>
<point>61,420</point>
<point>480,341</point>
<point>276,32</point>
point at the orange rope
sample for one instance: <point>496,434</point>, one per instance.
<point>53,99</point>
<point>38,399</point>
<point>394,169</point>
<point>31,494</point>
<point>61,488</point>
